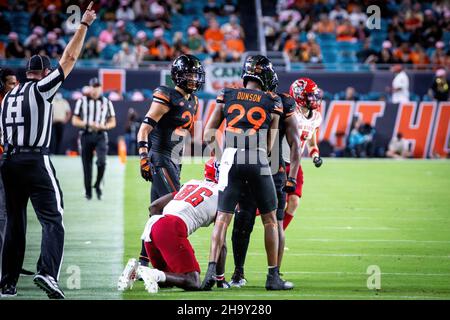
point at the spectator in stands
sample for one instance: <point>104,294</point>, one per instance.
<point>125,12</point>
<point>9,80</point>
<point>292,46</point>
<point>214,39</point>
<point>351,94</point>
<point>385,56</point>
<point>159,17</point>
<point>357,16</point>
<point>38,33</point>
<point>439,90</point>
<point>198,25</point>
<point>400,85</point>
<point>338,13</point>
<point>311,50</point>
<point>403,53</point>
<point>271,30</point>
<point>107,36</point>
<point>439,56</point>
<point>61,115</point>
<point>59,36</point>
<point>141,10</point>
<point>345,31</point>
<point>234,26</point>
<point>91,49</point>
<point>122,35</point>
<point>126,57</point>
<point>290,18</point>
<point>158,48</point>
<point>324,25</point>
<point>178,45</point>
<point>52,48</point>
<point>414,18</point>
<point>14,48</point>
<point>398,148</point>
<point>419,57</point>
<point>228,8</point>
<point>367,54</point>
<point>234,46</point>
<point>52,20</point>
<point>34,47</point>
<point>140,45</point>
<point>195,41</point>
<point>37,17</point>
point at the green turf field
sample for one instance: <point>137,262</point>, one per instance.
<point>354,214</point>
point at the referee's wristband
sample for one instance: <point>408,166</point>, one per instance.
<point>85,24</point>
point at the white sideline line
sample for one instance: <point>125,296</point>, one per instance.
<point>343,217</point>
<point>346,255</point>
<point>370,240</point>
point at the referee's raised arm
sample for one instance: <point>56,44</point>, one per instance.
<point>73,49</point>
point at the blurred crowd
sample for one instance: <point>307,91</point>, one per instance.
<point>139,29</point>
<point>411,32</point>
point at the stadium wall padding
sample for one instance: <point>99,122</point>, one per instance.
<point>426,125</point>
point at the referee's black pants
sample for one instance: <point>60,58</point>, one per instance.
<point>90,142</point>
<point>32,176</point>
<point>2,215</point>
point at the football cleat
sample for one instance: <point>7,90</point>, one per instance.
<point>274,282</point>
<point>49,285</point>
<point>210,278</point>
<point>150,277</point>
<point>128,276</point>
<point>238,280</point>
<point>8,291</point>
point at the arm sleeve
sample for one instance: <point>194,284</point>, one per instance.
<point>221,96</point>
<point>277,105</point>
<point>111,112</point>
<point>51,83</point>
<point>160,95</point>
<point>77,110</point>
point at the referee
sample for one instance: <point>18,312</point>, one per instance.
<point>94,115</point>
<point>27,172</point>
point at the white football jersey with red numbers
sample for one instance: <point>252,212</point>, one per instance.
<point>195,203</point>
<point>306,129</point>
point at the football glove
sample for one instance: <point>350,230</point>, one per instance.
<point>317,161</point>
<point>146,166</point>
<point>290,185</point>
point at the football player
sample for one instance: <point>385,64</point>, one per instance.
<point>252,115</point>
<point>174,217</point>
<point>169,119</point>
<point>308,98</point>
<point>246,213</point>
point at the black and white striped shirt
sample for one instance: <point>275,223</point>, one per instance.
<point>96,111</point>
<point>26,111</point>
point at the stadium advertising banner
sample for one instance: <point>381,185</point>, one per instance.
<point>425,125</point>
<point>221,75</point>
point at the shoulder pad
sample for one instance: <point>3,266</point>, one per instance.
<point>162,95</point>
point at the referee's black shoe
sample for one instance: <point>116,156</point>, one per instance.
<point>8,291</point>
<point>25,272</point>
<point>98,191</point>
<point>49,285</point>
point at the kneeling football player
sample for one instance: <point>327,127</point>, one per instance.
<point>173,218</point>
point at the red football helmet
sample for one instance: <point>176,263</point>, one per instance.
<point>212,170</point>
<point>306,93</point>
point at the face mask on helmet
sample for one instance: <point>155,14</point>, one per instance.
<point>212,170</point>
<point>314,99</point>
<point>194,81</point>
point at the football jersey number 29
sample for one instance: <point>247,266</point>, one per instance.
<point>257,123</point>
<point>188,195</point>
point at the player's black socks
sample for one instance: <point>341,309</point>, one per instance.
<point>242,228</point>
<point>143,258</point>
